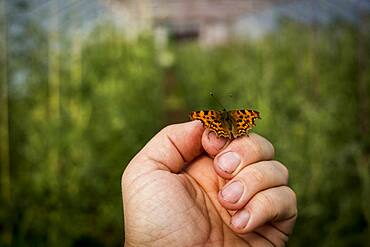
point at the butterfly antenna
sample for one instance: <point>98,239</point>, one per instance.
<point>218,102</point>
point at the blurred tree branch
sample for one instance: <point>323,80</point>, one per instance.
<point>363,83</point>
<point>363,108</point>
<point>54,83</point>
<point>53,144</point>
<point>4,112</point>
<point>5,184</point>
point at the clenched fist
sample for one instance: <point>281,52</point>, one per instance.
<point>187,187</point>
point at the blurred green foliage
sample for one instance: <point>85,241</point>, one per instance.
<point>114,95</point>
<point>306,84</point>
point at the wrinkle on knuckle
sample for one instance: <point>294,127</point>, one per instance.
<point>282,242</point>
<point>272,149</point>
<point>262,147</point>
<point>257,175</point>
<point>256,147</point>
<point>268,149</point>
<point>268,205</point>
<point>167,129</point>
<point>282,169</point>
<point>293,199</point>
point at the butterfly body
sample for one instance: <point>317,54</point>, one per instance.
<point>229,124</point>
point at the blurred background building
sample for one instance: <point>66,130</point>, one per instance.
<point>210,22</point>
<point>215,22</point>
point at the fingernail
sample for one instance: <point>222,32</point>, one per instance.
<point>217,142</point>
<point>232,192</point>
<point>228,162</point>
<point>240,219</point>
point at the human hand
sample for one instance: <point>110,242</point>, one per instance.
<point>182,189</point>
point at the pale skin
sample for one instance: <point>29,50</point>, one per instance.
<point>187,187</point>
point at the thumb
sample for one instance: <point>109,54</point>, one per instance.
<point>169,150</point>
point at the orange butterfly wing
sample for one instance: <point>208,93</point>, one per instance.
<point>214,121</point>
<point>243,120</point>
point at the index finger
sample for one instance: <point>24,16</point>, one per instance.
<point>238,153</point>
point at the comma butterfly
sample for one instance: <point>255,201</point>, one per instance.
<point>229,124</point>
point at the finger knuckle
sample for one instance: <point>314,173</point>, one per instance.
<point>271,148</point>
<point>282,169</point>
<point>256,147</point>
<point>257,175</point>
<point>268,204</point>
<point>124,179</point>
<point>262,147</point>
<point>281,242</point>
<point>167,129</point>
<point>293,195</point>
<point>293,200</point>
